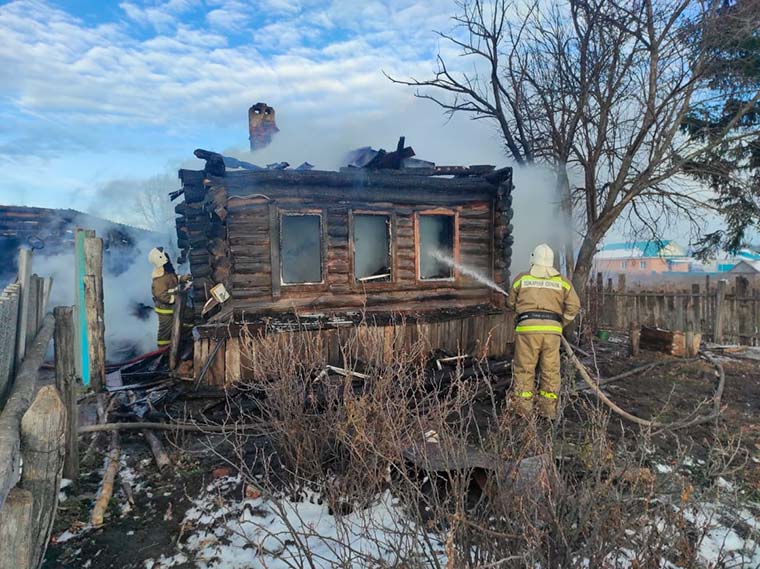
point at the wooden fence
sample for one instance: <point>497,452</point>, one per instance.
<point>32,423</point>
<point>722,311</point>
<point>9,303</point>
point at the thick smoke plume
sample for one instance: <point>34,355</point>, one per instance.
<point>537,218</point>
<point>145,202</point>
<point>126,286</point>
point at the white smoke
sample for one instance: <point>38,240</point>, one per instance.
<point>536,220</point>
<point>126,284</point>
<point>145,202</point>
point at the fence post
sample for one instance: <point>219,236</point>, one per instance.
<point>32,302</point>
<point>622,320</point>
<point>16,530</point>
<point>720,311</point>
<point>80,325</point>
<point>66,381</point>
<point>742,316</point>
<point>24,277</point>
<point>9,307</point>
<point>43,430</point>
<point>634,334</point>
<point>94,311</point>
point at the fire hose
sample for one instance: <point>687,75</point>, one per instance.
<point>645,422</point>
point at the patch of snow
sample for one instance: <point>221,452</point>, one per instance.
<point>663,468</point>
<point>720,542</point>
<point>232,534</point>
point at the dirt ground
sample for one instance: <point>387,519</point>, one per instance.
<point>152,526</point>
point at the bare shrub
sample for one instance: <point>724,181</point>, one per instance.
<point>416,473</point>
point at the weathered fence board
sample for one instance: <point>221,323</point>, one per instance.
<point>16,530</point>
<point>66,381</point>
<point>722,313</point>
<point>42,436</point>
<point>24,278</point>
<point>19,401</point>
<point>9,306</point>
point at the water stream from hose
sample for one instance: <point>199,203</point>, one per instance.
<point>467,270</point>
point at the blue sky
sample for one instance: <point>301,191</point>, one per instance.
<point>94,93</point>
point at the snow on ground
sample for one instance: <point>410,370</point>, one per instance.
<point>223,531</point>
<point>252,533</point>
<point>722,540</point>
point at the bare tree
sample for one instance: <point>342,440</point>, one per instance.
<point>152,207</point>
<point>599,91</point>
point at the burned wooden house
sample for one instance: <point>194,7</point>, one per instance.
<point>390,247</point>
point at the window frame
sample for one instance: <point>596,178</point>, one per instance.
<point>391,216</point>
<point>455,276</point>
<point>283,212</point>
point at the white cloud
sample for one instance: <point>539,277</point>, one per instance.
<point>53,62</point>
<point>158,14</point>
<point>94,88</point>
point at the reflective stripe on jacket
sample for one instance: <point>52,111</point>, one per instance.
<point>553,295</point>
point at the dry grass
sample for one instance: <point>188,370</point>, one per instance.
<point>588,501</point>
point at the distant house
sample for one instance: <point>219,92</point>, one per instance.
<point>750,267</point>
<point>642,257</point>
<point>725,262</point>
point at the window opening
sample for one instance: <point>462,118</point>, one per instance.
<point>301,248</point>
<point>372,255</point>
<point>436,246</point>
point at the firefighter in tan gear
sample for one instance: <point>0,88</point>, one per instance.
<point>545,302</point>
<point>164,289</point>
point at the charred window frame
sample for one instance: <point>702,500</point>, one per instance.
<point>368,267</point>
<point>436,229</point>
<point>301,246</point>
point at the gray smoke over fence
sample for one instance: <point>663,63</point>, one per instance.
<point>126,286</point>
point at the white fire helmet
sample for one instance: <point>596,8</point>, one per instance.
<point>542,262</point>
<point>158,259</point>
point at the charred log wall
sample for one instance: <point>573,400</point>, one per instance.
<point>229,229</point>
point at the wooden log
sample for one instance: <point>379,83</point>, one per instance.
<point>66,381</point>
<point>16,530</point>
<point>106,487</point>
<point>18,402</point>
<point>157,448</point>
<point>24,278</point>
<point>43,432</point>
